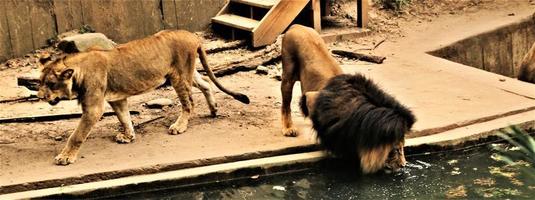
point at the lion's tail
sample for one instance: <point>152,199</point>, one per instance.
<point>238,96</point>
<point>353,113</point>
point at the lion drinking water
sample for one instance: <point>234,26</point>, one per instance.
<point>354,119</point>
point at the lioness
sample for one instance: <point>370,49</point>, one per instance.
<point>133,68</point>
<point>354,119</point>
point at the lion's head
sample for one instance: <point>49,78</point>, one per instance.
<point>356,120</point>
<point>396,158</point>
<point>56,81</point>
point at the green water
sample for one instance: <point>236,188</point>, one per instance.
<point>468,174</point>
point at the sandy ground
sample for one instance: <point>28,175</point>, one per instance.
<point>25,147</point>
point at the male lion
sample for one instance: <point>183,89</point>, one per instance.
<point>354,119</point>
<point>527,67</point>
<point>133,68</point>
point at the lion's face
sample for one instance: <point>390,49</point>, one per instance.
<point>396,158</point>
<point>56,83</point>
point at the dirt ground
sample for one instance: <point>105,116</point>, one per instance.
<point>27,146</point>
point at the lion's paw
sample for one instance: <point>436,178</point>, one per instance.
<point>64,159</point>
<point>213,113</point>
<point>176,129</point>
<point>290,132</point>
<point>124,138</point>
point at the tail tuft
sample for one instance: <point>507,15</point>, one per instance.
<point>242,98</point>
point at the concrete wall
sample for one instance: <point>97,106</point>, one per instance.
<point>499,51</point>
<point>27,24</point>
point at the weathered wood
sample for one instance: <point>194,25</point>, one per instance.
<point>30,82</point>
<point>362,13</point>
<point>276,21</point>
<point>69,14</point>
<point>264,57</point>
<point>236,21</point>
<point>43,24</point>
<point>360,56</point>
<point>20,99</point>
<point>316,15</point>
<point>5,41</point>
<point>188,14</point>
<point>18,13</point>
<point>169,14</point>
<point>53,117</point>
<point>151,15</point>
<point>113,18</point>
<point>227,46</point>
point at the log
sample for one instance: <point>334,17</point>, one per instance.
<point>30,82</point>
<point>226,46</point>
<point>360,56</point>
<point>53,117</point>
<point>266,56</point>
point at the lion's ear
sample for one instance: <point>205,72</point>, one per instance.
<point>66,74</point>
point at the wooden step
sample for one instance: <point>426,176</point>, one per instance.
<point>236,21</point>
<point>267,4</point>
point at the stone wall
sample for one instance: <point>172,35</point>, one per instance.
<point>499,51</point>
<point>27,24</point>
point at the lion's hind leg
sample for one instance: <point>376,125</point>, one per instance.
<point>183,90</point>
<point>121,110</point>
<point>206,88</point>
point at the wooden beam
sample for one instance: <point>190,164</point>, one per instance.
<point>53,117</point>
<point>362,13</point>
<point>316,15</point>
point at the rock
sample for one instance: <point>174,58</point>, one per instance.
<point>262,70</point>
<point>159,103</point>
<point>82,42</point>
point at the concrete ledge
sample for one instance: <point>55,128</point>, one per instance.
<point>172,175</point>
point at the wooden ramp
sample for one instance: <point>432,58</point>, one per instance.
<point>263,20</point>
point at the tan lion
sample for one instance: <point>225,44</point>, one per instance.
<point>130,69</point>
<point>354,119</point>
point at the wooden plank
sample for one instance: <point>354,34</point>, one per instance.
<point>189,18</point>
<point>316,15</point>
<point>43,24</point>
<point>69,15</point>
<point>152,21</point>
<point>18,13</point>
<point>169,14</point>
<point>363,8</point>
<point>53,117</point>
<point>113,18</point>
<point>267,4</point>
<point>5,41</point>
<point>276,21</point>
<point>236,21</point>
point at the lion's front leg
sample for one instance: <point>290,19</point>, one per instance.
<point>121,110</point>
<point>286,112</point>
<point>91,114</point>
